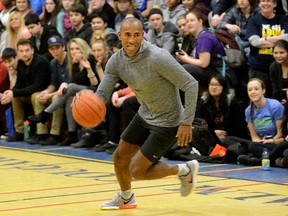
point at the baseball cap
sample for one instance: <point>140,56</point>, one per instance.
<point>55,41</point>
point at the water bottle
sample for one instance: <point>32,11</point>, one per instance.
<point>26,129</point>
<point>265,160</point>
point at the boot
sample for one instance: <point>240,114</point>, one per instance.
<point>71,138</point>
<point>41,117</point>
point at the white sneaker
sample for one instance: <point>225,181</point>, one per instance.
<point>119,203</point>
<point>188,182</point>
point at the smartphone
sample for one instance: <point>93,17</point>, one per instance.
<point>268,137</point>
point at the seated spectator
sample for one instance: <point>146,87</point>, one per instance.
<point>23,6</point>
<point>81,66</point>
<point>144,6</point>
<point>16,30</point>
<point>33,76</point>
<point>50,14</point>
<point>278,71</point>
<point>163,34</point>
<point>81,29</point>
<point>186,40</point>
<point>264,119</point>
<point>4,85</point>
<point>219,11</point>
<point>263,30</point>
<point>236,19</point>
<point>67,25</point>
<point>121,8</point>
<point>199,6</point>
<point>59,75</point>
<point>219,107</point>
<point>99,22</point>
<point>204,61</point>
<point>103,7</point>
<point>123,102</point>
<point>40,35</point>
<point>174,9</point>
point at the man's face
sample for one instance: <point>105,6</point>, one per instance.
<point>56,51</point>
<point>131,35</point>
<point>75,18</point>
<point>34,29</point>
<point>11,63</point>
<point>25,53</point>
<point>156,21</point>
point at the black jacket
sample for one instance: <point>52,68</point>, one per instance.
<point>48,31</point>
<point>84,33</point>
<point>32,78</point>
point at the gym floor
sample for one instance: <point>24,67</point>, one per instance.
<point>63,181</point>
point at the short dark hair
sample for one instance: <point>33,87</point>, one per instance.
<point>32,18</point>
<point>102,16</point>
<point>78,8</point>
<point>24,41</point>
<point>8,53</point>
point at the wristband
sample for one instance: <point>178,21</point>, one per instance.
<point>91,76</point>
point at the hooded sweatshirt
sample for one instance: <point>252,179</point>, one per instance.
<point>155,77</point>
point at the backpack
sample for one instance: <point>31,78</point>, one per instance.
<point>234,53</point>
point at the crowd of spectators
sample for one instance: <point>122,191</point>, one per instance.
<point>52,49</point>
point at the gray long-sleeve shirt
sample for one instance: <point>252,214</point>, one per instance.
<point>155,77</point>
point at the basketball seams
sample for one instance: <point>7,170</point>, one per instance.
<point>88,110</point>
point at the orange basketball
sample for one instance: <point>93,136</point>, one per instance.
<point>88,110</point>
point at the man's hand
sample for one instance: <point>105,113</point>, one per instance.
<point>7,97</point>
<point>184,134</point>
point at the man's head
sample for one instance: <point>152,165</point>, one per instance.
<point>56,46</point>
<point>131,34</point>
<point>9,56</point>
<point>156,19</point>
<point>33,24</point>
<point>97,5</point>
<point>25,50</point>
<point>77,14</point>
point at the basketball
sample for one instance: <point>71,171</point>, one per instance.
<point>88,109</point>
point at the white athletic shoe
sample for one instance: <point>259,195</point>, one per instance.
<point>188,182</point>
<point>119,203</point>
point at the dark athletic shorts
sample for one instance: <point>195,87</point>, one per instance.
<point>154,141</point>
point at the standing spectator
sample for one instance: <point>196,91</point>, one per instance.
<point>59,75</point>
<point>204,61</point>
<point>40,35</point>
<point>279,71</point>
<point>33,76</point>
<point>174,9</point>
<point>81,29</point>
<point>103,7</point>
<point>163,34</point>
<point>263,30</point>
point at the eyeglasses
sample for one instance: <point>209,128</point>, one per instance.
<point>267,1</point>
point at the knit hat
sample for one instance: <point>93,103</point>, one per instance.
<point>155,11</point>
